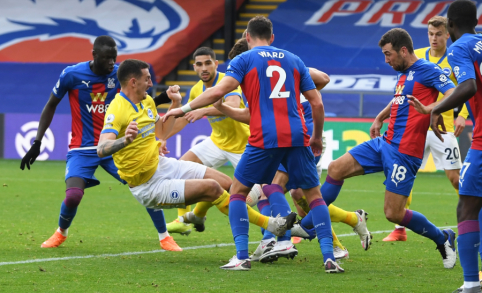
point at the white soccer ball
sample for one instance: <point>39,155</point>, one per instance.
<point>254,195</point>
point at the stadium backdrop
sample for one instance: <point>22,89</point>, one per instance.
<point>39,38</point>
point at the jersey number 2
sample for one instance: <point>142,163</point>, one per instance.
<point>276,93</point>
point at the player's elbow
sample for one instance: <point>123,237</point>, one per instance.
<point>324,80</point>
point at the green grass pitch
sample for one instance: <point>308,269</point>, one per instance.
<point>113,245</point>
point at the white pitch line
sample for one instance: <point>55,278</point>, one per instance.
<point>156,251</point>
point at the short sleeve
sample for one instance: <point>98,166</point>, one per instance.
<point>306,83</point>
<point>113,119</point>
<point>237,67</point>
<point>235,92</point>
<point>464,112</point>
<point>63,85</point>
<point>461,63</point>
<point>438,80</point>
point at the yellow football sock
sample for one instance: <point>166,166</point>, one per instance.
<point>201,209</point>
<point>181,212</point>
<point>457,191</point>
<point>338,215</point>
<point>303,203</point>
<point>222,203</point>
<point>336,242</point>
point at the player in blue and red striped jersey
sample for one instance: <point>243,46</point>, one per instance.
<point>91,86</point>
<point>465,57</point>
<point>272,80</point>
<point>399,152</point>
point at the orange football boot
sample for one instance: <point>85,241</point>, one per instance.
<point>168,243</point>
<point>54,241</point>
<point>399,234</point>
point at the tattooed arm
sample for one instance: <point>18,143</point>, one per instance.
<point>108,145</point>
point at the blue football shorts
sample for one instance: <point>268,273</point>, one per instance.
<point>470,180</point>
<point>258,166</point>
<point>83,163</point>
<point>400,170</point>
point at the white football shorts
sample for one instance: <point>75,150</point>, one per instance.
<point>165,189</point>
<point>446,155</point>
<point>212,156</point>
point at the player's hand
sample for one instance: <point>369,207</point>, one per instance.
<point>459,126</point>
<point>131,132</point>
<point>173,93</point>
<point>375,128</point>
<point>436,121</point>
<point>31,155</point>
<point>163,148</point>
<point>218,104</point>
<point>174,113</point>
<point>194,115</point>
<point>316,146</point>
<point>421,108</point>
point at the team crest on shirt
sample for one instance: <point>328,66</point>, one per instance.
<point>174,194</point>
<point>111,83</point>
<point>443,78</point>
<point>410,75</point>
<point>447,71</point>
<point>149,113</point>
<point>110,118</point>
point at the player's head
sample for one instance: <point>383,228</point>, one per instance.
<point>259,28</point>
<point>241,46</point>
<point>105,54</point>
<point>205,63</point>
<point>437,33</point>
<point>397,46</point>
<point>134,77</point>
<point>462,17</point>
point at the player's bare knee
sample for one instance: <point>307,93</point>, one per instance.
<point>214,189</point>
<point>335,170</point>
<point>393,216</point>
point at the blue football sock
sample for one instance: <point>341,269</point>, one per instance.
<point>307,221</point>
<point>419,224</point>
<point>322,223</point>
<point>158,219</point>
<point>279,205</point>
<point>68,209</point>
<point>265,210</point>
<point>469,237</point>
<point>66,216</point>
<point>330,190</point>
<point>238,218</point>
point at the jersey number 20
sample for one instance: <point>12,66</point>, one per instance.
<point>276,93</point>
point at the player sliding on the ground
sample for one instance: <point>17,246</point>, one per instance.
<point>129,132</point>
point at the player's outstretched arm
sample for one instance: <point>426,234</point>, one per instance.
<point>241,115</point>
<point>164,130</point>
<point>320,78</point>
<point>318,114</point>
<point>226,85</point>
<point>44,123</point>
<point>108,144</point>
<point>462,93</point>
<point>193,116</point>
<point>378,123</point>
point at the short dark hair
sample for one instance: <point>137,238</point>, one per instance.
<point>399,38</point>
<point>204,51</point>
<point>101,41</point>
<point>260,27</point>
<point>130,68</point>
<point>241,46</point>
<point>463,13</point>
